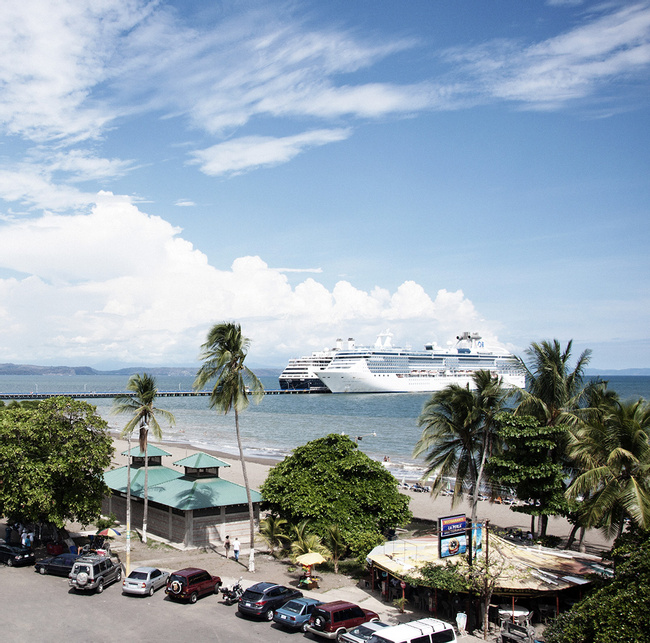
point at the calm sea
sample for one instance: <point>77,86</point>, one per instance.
<point>280,423</point>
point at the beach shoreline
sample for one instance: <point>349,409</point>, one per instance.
<point>423,505</point>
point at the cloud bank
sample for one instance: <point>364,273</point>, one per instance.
<point>117,285</point>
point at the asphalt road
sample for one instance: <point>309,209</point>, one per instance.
<point>36,608</point>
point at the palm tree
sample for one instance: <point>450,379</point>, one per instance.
<point>553,389</point>
<point>554,393</point>
<point>459,435</point>
<point>144,416</point>
<point>612,447</point>
<point>223,355</point>
<point>335,543</point>
<point>272,529</point>
<point>306,541</point>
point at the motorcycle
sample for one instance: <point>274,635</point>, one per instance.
<point>231,595</point>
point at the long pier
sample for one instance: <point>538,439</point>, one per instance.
<point>109,394</point>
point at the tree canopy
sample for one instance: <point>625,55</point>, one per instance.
<point>52,459</point>
<point>618,610</point>
<point>529,466</point>
<point>330,482</point>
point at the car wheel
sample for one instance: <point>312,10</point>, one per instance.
<point>268,615</point>
<point>10,563</point>
<point>118,578</point>
<point>339,636</point>
<point>100,587</point>
<point>319,623</point>
<point>194,597</point>
<point>41,570</point>
<point>151,591</point>
<point>303,627</point>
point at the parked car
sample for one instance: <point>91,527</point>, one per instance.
<point>191,583</point>
<point>424,630</point>
<point>94,572</point>
<point>262,599</point>
<point>330,620</point>
<point>15,555</point>
<point>361,633</point>
<point>144,581</point>
<point>295,614</point>
<point>60,565</point>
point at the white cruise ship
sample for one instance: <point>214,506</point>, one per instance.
<point>300,372</point>
<point>383,368</point>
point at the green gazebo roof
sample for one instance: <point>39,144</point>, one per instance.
<point>201,461</point>
<point>152,450</point>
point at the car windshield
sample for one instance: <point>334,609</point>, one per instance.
<point>252,596</point>
<point>293,606</point>
<point>363,631</point>
<point>138,575</point>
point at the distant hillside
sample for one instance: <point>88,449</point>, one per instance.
<point>632,372</point>
<point>181,371</point>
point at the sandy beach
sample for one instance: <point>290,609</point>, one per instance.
<point>423,506</point>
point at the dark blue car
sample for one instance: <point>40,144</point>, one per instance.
<point>59,565</point>
<point>295,614</point>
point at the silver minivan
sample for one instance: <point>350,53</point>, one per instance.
<point>424,630</point>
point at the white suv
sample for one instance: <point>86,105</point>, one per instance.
<point>94,573</point>
<point>425,630</point>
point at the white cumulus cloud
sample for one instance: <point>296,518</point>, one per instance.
<point>118,285</point>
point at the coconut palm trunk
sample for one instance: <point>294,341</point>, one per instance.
<point>251,515</point>
<point>223,356</point>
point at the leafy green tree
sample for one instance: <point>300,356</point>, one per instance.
<point>612,449</point>
<point>223,355</point>
<point>330,482</point>
<point>52,462</point>
<point>140,404</point>
<point>459,436</point>
<point>528,465</point>
<point>617,610</point>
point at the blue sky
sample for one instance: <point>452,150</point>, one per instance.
<point>319,170</point>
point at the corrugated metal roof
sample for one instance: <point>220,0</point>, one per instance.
<point>201,461</point>
<point>526,570</point>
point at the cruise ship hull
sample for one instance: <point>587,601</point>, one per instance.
<point>383,368</point>
<point>359,382</point>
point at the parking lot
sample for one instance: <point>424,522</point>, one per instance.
<point>39,608</point>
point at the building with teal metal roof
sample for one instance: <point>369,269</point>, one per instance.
<point>191,505</point>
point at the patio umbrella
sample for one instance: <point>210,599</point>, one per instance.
<point>109,532</point>
<point>310,558</point>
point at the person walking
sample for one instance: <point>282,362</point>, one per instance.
<point>235,549</point>
<point>226,544</point>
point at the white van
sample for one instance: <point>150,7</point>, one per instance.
<point>425,630</point>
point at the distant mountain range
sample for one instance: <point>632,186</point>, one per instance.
<point>189,371</point>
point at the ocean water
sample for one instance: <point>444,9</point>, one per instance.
<point>384,424</point>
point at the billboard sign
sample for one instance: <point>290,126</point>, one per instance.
<point>451,524</point>
<point>452,539</point>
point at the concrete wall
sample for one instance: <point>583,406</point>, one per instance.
<point>200,531</point>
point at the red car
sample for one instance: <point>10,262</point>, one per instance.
<point>190,583</point>
<point>330,620</point>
